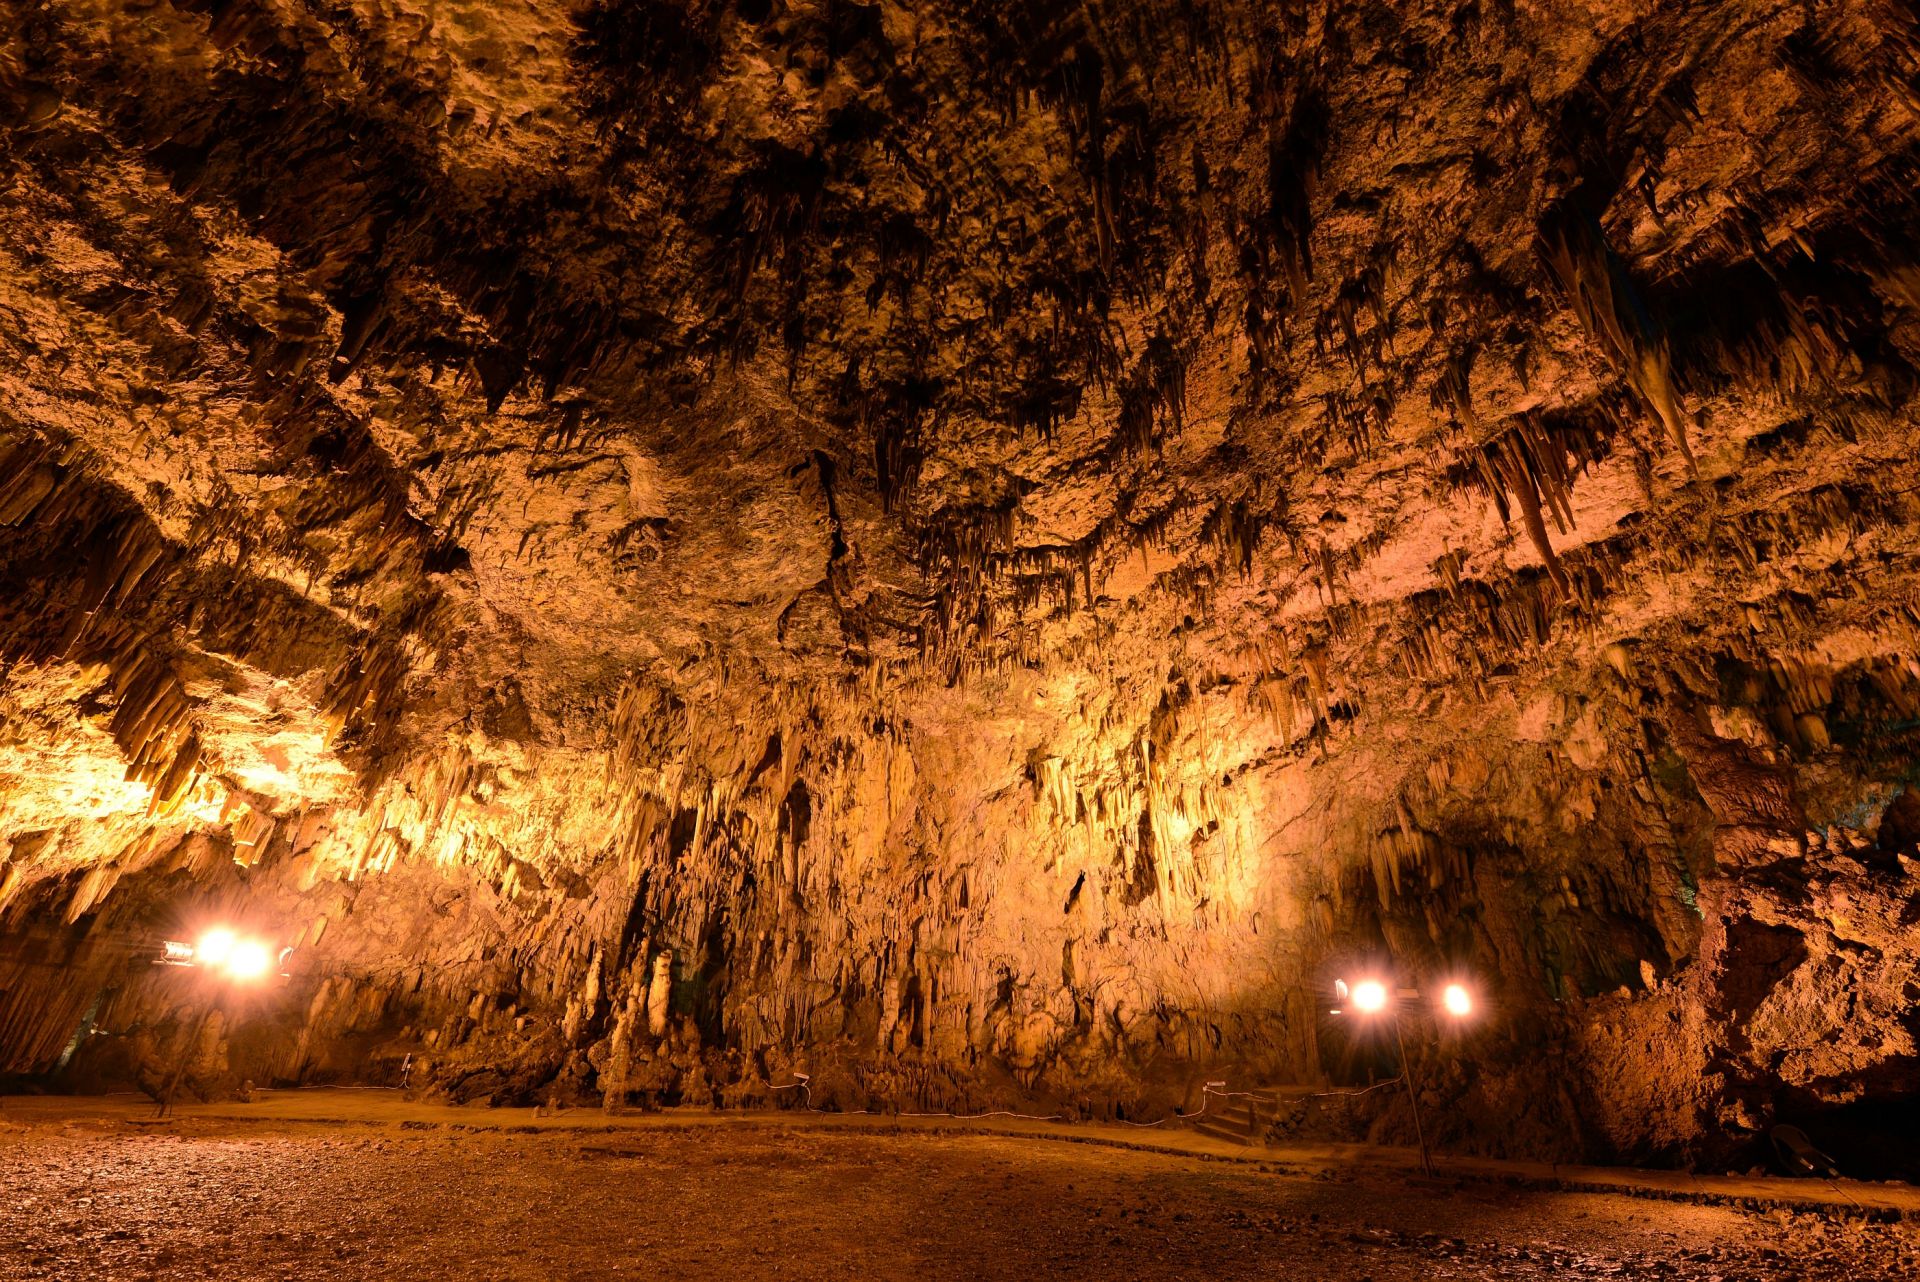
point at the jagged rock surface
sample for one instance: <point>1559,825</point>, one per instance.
<point>976,552</point>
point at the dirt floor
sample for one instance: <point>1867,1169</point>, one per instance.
<point>100,1197</point>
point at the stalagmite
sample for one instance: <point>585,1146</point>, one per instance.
<point>659,990</point>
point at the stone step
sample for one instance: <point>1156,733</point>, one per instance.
<point>1229,1134</point>
<point>1240,1119</point>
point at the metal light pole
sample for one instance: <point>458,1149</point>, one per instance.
<point>233,960</point>
<point>1413,1097</point>
<point>185,1057</point>
<point>1374,997</point>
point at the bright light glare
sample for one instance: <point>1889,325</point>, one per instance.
<point>215,947</point>
<point>1369,996</point>
<point>1457,1000</point>
<point>237,957</point>
<point>250,959</point>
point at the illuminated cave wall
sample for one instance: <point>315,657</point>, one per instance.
<point>978,553</point>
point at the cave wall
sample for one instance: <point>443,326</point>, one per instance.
<point>976,553</point>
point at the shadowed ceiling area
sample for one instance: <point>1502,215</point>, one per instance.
<point>973,555</point>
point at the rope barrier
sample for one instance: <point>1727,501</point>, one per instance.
<point>803,1085</point>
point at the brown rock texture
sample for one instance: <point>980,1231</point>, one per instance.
<point>977,553</point>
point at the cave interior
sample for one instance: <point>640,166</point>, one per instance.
<point>967,556</point>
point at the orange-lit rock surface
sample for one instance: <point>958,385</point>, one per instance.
<point>979,553</point>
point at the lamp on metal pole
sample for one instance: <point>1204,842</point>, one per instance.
<point>1370,997</point>
<point>233,960</point>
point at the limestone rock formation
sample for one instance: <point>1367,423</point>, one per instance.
<point>977,553</point>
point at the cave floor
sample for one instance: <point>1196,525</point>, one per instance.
<point>97,1190</point>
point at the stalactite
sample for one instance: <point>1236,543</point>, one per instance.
<point>1603,298</point>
